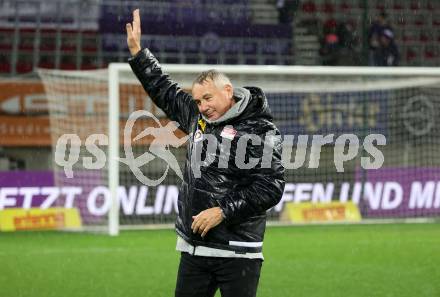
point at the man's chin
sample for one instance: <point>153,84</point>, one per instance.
<point>212,117</point>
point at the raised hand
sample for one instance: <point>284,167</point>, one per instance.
<point>134,33</point>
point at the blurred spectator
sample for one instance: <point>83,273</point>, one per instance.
<point>374,33</point>
<point>338,45</point>
<point>387,53</point>
<point>347,45</point>
<point>345,33</point>
<point>330,45</point>
<point>286,10</point>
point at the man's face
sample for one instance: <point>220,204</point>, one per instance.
<point>213,102</point>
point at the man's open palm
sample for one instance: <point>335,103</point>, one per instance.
<point>134,33</point>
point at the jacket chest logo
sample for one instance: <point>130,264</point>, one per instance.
<point>228,132</point>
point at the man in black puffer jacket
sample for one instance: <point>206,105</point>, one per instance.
<point>233,174</point>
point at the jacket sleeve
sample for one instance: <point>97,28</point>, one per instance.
<point>166,94</point>
<point>264,191</point>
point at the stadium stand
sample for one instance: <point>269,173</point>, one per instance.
<point>415,23</point>
<point>34,38</point>
<point>44,35</point>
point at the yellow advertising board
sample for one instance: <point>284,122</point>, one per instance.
<point>308,212</point>
<point>16,219</point>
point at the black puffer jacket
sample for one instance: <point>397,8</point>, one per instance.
<point>244,195</point>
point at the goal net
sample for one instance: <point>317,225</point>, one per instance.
<point>366,135</point>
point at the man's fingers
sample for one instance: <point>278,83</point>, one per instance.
<point>136,21</point>
<point>195,224</point>
<point>136,17</point>
<point>129,29</point>
<point>207,228</point>
<point>134,33</point>
<point>202,229</point>
<point>197,227</point>
<point>199,224</point>
<point>194,221</point>
<point>203,222</point>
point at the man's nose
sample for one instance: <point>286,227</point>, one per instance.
<point>203,107</point>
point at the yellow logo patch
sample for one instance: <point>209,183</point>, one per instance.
<point>202,125</point>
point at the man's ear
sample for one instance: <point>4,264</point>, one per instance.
<point>229,90</point>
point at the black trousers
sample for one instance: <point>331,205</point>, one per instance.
<point>202,276</point>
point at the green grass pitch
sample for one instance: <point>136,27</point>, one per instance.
<point>401,260</point>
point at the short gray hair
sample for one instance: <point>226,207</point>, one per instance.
<point>220,79</point>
